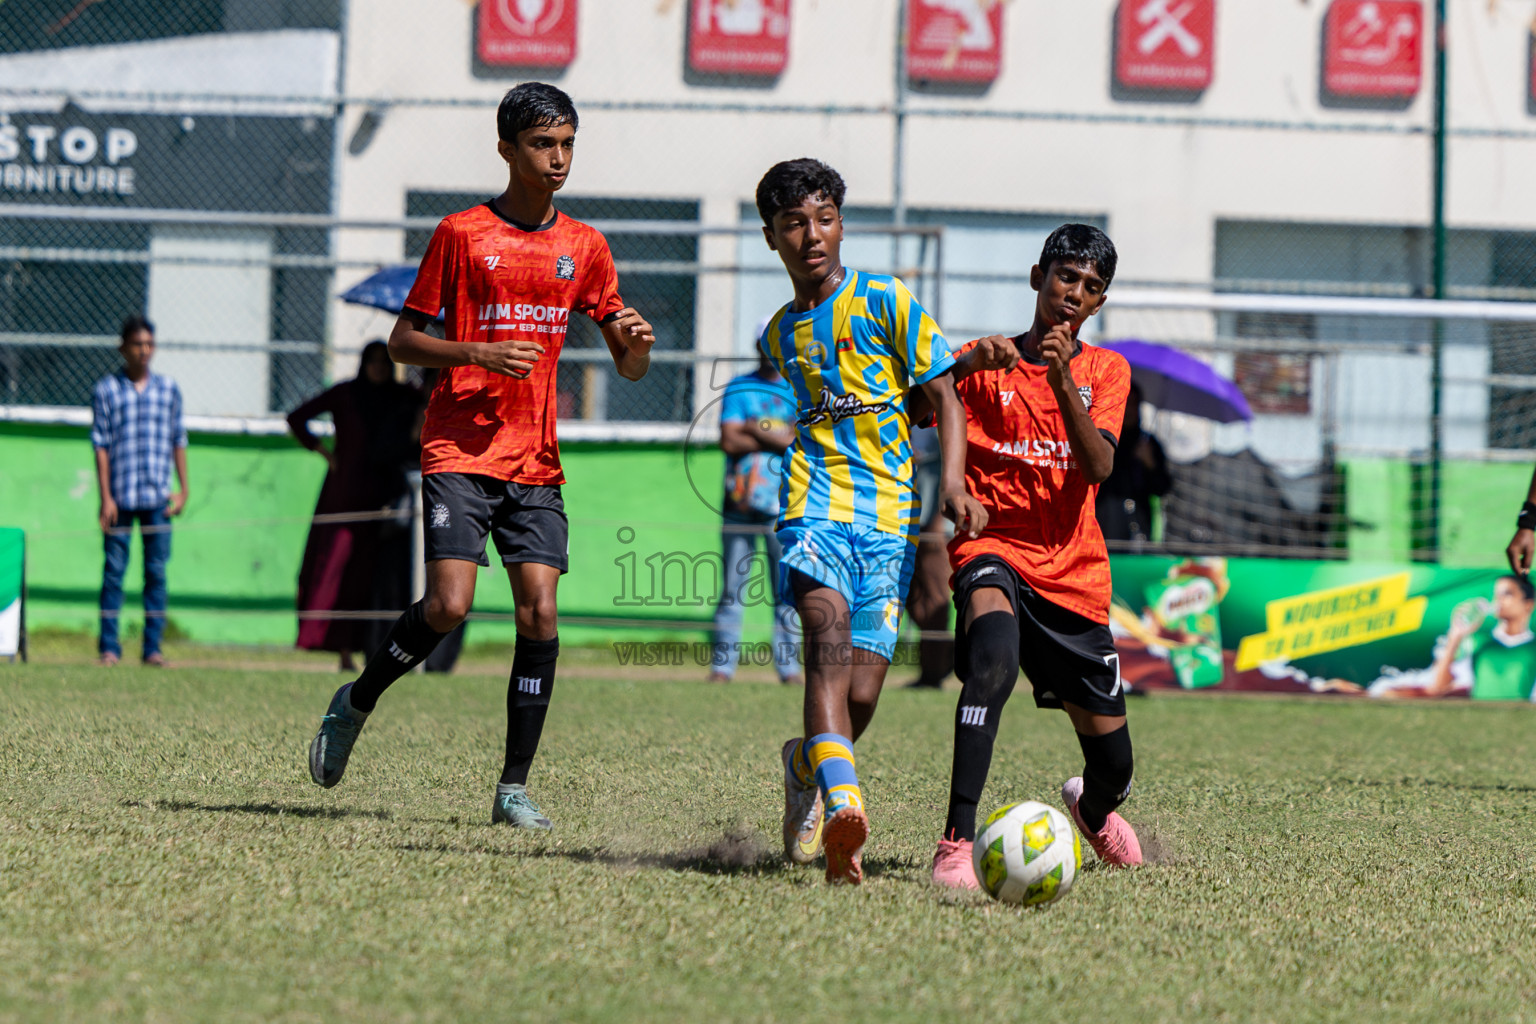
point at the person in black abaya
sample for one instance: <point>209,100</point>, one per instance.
<point>353,566</point>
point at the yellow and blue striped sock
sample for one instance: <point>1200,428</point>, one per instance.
<point>800,763</point>
<point>831,758</point>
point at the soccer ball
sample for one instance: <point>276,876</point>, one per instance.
<point>1027,853</point>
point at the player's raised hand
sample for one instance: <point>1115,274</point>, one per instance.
<point>994,352</point>
<point>968,514</point>
<point>1056,349</point>
<point>510,358</point>
<point>635,330</point>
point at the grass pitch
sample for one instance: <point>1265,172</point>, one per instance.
<point>164,856</point>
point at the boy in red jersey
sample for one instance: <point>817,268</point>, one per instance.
<point>1033,589</point>
<point>508,275</point>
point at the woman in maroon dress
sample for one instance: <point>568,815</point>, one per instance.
<point>378,431</point>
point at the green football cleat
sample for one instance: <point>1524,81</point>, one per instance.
<point>515,807</point>
<point>332,745</point>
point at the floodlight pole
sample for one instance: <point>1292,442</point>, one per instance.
<point>1437,344</point>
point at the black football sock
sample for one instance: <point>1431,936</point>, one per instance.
<point>1106,775</point>
<point>409,642</point>
<point>533,677</point>
<point>988,681</point>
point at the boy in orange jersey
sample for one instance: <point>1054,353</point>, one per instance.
<point>1033,590</point>
<point>507,274</point>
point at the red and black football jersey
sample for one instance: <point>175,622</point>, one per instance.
<point>1020,465</point>
<point>497,281</point>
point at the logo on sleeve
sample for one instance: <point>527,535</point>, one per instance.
<point>1007,396</point>
<point>565,268</point>
<point>1085,392</point>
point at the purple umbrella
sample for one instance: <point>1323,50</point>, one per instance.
<point>1171,380</point>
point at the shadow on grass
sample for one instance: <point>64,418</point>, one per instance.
<point>271,810</point>
<point>735,853</point>
<point>1408,782</point>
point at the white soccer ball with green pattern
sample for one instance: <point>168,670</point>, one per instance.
<point>1027,853</point>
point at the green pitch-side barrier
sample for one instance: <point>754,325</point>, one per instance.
<point>13,548</point>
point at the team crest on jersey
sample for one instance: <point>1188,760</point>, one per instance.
<point>1085,392</point>
<point>565,268</point>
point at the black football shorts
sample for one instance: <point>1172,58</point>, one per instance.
<point>527,521</point>
<point>1068,658</point>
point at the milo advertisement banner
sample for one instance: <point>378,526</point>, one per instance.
<point>11,552</point>
<point>1278,625</point>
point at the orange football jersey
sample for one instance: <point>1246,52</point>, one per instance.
<point>495,280</point>
<point>1020,465</point>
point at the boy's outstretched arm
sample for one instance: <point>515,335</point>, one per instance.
<point>968,514</point>
<point>629,337</point>
<point>994,352</point>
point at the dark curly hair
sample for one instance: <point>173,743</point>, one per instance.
<point>133,325</point>
<point>1081,243</point>
<point>533,105</point>
<point>790,182</point>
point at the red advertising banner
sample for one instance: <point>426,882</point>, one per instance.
<point>955,40</point>
<point>739,37</point>
<point>1166,44</point>
<point>1531,59</point>
<point>526,33</point>
<point>1374,48</point>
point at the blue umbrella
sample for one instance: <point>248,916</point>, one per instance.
<point>1171,380</point>
<point>387,289</point>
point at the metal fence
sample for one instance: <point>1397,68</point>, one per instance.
<point>228,237</point>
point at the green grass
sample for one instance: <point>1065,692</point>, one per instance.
<point>164,856</point>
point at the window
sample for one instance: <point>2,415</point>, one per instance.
<point>27,25</point>
<point>657,276</point>
<point>985,262</point>
<point>59,315</point>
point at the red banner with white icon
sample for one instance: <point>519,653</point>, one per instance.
<point>1374,48</point>
<point>955,40</point>
<point>526,33</point>
<point>1165,44</point>
<point>1531,62</point>
<point>739,37</point>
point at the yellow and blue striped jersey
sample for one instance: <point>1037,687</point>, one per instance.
<point>850,362</point>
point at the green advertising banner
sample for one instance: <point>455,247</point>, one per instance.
<point>12,549</point>
<point>1389,630</point>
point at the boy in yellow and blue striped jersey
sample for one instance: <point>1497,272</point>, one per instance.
<point>850,345</point>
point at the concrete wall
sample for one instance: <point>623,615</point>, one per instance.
<point>644,534</point>
<point>1162,189</point>
<point>236,552</point>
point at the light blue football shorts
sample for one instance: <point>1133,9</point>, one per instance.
<point>872,569</point>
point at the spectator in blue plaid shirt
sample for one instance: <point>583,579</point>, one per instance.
<point>137,432</point>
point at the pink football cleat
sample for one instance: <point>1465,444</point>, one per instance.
<point>1116,843</point>
<point>952,867</point>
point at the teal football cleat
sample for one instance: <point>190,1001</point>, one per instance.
<point>515,807</point>
<point>332,745</point>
